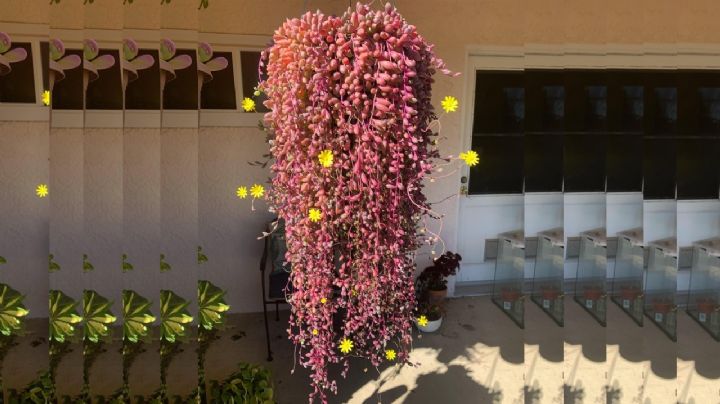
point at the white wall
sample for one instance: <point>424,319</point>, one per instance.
<point>582,212</point>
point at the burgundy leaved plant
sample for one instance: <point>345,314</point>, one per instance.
<point>358,86</point>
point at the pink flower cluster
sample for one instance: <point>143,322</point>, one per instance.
<point>358,85</point>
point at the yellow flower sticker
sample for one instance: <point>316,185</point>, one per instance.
<point>422,321</point>
<point>346,346</point>
<point>46,97</point>
<point>242,192</point>
<point>257,191</point>
<point>325,158</point>
<point>248,104</point>
<point>390,354</point>
<point>315,215</point>
<point>42,190</point>
<point>470,157</point>
<point>449,104</point>
<point>323,300</point>
<point>314,331</point>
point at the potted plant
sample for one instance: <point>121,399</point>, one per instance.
<point>433,279</point>
<point>429,317</point>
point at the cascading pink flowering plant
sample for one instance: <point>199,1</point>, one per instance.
<point>350,102</point>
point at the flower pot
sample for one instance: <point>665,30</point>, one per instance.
<point>550,293</point>
<point>592,294</point>
<point>706,306</point>
<point>629,292</point>
<point>510,295</point>
<point>663,307</point>
<point>431,326</point>
<point>436,297</point>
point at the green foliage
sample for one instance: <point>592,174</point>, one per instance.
<point>38,391</point>
<point>52,265</point>
<point>87,266</point>
<point>136,316</point>
<point>250,384</point>
<point>126,266</point>
<point>12,310</point>
<point>164,266</point>
<point>63,316</point>
<point>97,316</point>
<point>3,260</point>
<point>211,305</point>
<point>173,316</point>
<point>201,258</point>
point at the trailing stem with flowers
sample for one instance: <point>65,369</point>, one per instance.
<point>353,139</point>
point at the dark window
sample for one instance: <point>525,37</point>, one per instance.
<point>584,163</point>
<point>219,93</point>
<point>106,91</point>
<point>659,168</point>
<point>249,62</point>
<point>543,163</point>
<point>661,100</point>
<point>698,165</point>
<point>18,84</point>
<point>623,163</point>
<point>500,170</point>
<point>68,92</point>
<point>45,64</point>
<point>144,91</point>
<point>182,92</point>
<point>499,102</point>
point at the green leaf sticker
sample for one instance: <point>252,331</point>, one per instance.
<point>87,266</point>
<point>63,316</point>
<point>164,266</point>
<point>52,265</point>
<point>126,266</point>
<point>212,306</point>
<point>97,316</point>
<point>136,316</point>
<point>201,258</point>
<point>12,310</point>
<point>174,316</point>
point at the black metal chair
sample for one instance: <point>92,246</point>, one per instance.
<point>275,283</point>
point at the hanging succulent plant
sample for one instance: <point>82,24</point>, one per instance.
<point>351,114</point>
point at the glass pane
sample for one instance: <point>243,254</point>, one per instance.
<point>664,102</point>
<point>182,92</point>
<point>623,163</point>
<point>595,108</point>
<point>698,164</point>
<point>633,108</point>
<point>67,93</point>
<point>553,108</point>
<point>17,83</point>
<point>219,93</point>
<point>499,102</point>
<point>106,91</point>
<point>249,62</point>
<point>709,100</point>
<point>509,276</point>
<point>591,274</point>
<point>144,91</point>
<point>659,168</point>
<point>584,163</point>
<point>500,170</point>
<point>704,292</point>
<point>660,289</point>
<point>627,283</point>
<point>547,291</point>
<point>543,163</point>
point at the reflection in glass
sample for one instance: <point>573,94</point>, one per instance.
<point>666,109</point>
<point>704,292</point>
<point>554,107</point>
<point>709,109</point>
<point>547,290</point>
<point>627,283</point>
<point>514,109</point>
<point>596,109</point>
<point>591,274</point>
<point>660,287</point>
<point>633,109</point>
<point>509,275</point>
